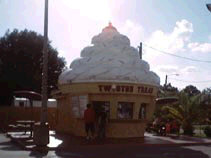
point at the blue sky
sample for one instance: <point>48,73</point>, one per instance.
<point>180,27</point>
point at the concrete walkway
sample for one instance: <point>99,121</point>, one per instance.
<point>66,142</point>
<point>180,139</point>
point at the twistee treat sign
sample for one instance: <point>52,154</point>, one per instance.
<point>125,89</point>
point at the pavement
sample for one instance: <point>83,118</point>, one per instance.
<point>67,142</point>
<point>9,149</point>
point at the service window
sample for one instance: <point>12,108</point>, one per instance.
<point>125,110</point>
<point>142,111</point>
<point>100,106</point>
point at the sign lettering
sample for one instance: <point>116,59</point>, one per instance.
<point>125,89</point>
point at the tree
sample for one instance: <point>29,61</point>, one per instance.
<point>167,91</point>
<point>191,90</point>
<point>206,103</point>
<point>186,112</point>
<point>21,64</point>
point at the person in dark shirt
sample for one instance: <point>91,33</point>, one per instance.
<point>89,119</point>
<point>102,124</point>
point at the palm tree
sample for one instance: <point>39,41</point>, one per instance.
<point>186,112</point>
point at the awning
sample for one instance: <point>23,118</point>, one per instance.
<point>28,94</point>
<point>166,100</point>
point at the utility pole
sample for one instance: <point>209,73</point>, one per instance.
<point>166,80</point>
<point>140,50</point>
<point>41,130</point>
<point>43,118</point>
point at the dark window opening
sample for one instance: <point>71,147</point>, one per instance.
<point>142,111</point>
<point>125,110</point>
<point>100,106</point>
<point>21,104</point>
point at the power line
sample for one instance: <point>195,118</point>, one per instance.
<point>196,60</point>
<point>206,81</point>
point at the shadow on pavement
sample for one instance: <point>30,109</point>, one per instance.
<point>132,151</point>
<point>5,143</point>
<point>9,146</point>
<point>78,147</point>
<point>38,154</point>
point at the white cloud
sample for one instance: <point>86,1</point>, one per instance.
<point>92,9</point>
<point>200,47</point>
<point>189,69</point>
<point>62,53</point>
<point>174,41</point>
<point>134,31</point>
<point>167,69</point>
<point>174,69</point>
<point>178,72</point>
<point>183,28</point>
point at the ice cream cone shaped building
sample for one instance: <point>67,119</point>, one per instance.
<point>108,74</point>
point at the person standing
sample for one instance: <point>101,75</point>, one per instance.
<point>89,119</point>
<point>102,124</point>
<point>175,127</point>
<point>168,128</point>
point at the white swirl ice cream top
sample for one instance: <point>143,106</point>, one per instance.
<point>109,59</point>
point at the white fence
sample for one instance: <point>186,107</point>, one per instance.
<point>24,102</point>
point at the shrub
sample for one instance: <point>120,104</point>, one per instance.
<point>188,129</point>
<point>207,131</point>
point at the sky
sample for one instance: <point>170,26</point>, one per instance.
<point>178,27</point>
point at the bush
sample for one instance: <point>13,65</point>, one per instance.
<point>188,129</point>
<point>207,131</point>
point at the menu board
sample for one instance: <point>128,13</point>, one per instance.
<point>83,101</point>
<point>75,106</point>
<point>79,105</point>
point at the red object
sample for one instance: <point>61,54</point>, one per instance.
<point>174,125</point>
<point>168,128</point>
<point>89,115</point>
